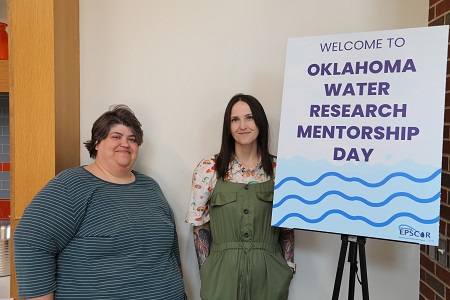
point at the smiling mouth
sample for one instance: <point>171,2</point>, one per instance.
<point>122,151</point>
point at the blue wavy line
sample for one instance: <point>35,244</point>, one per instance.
<point>357,198</point>
<point>363,182</point>
<point>355,218</point>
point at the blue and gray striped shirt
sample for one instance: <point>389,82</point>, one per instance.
<point>85,238</point>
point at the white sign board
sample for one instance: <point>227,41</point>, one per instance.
<point>360,145</point>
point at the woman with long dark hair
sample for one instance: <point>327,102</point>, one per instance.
<point>240,255</point>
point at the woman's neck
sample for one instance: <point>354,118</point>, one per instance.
<point>248,156</point>
<point>111,176</point>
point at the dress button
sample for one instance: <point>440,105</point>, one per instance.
<point>246,187</point>
<point>245,211</point>
<point>246,235</point>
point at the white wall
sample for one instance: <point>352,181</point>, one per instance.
<point>177,63</point>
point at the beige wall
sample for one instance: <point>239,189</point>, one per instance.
<point>177,63</point>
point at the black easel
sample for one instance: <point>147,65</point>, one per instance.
<point>356,242</point>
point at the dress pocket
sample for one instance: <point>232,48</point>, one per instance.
<point>220,199</point>
<point>265,196</point>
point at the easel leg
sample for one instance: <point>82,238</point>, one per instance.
<point>340,268</point>
<point>362,257</point>
<point>352,253</point>
<point>353,243</point>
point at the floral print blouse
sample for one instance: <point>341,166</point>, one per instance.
<point>204,180</point>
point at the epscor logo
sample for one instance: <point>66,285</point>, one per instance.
<point>406,230</point>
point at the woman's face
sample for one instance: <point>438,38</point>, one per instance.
<point>242,125</point>
<point>119,149</point>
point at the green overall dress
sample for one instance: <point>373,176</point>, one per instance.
<point>246,261</point>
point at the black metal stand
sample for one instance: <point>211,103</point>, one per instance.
<point>356,242</point>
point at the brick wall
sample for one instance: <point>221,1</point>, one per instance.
<point>435,261</point>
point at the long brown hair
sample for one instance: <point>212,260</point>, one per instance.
<point>227,148</point>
